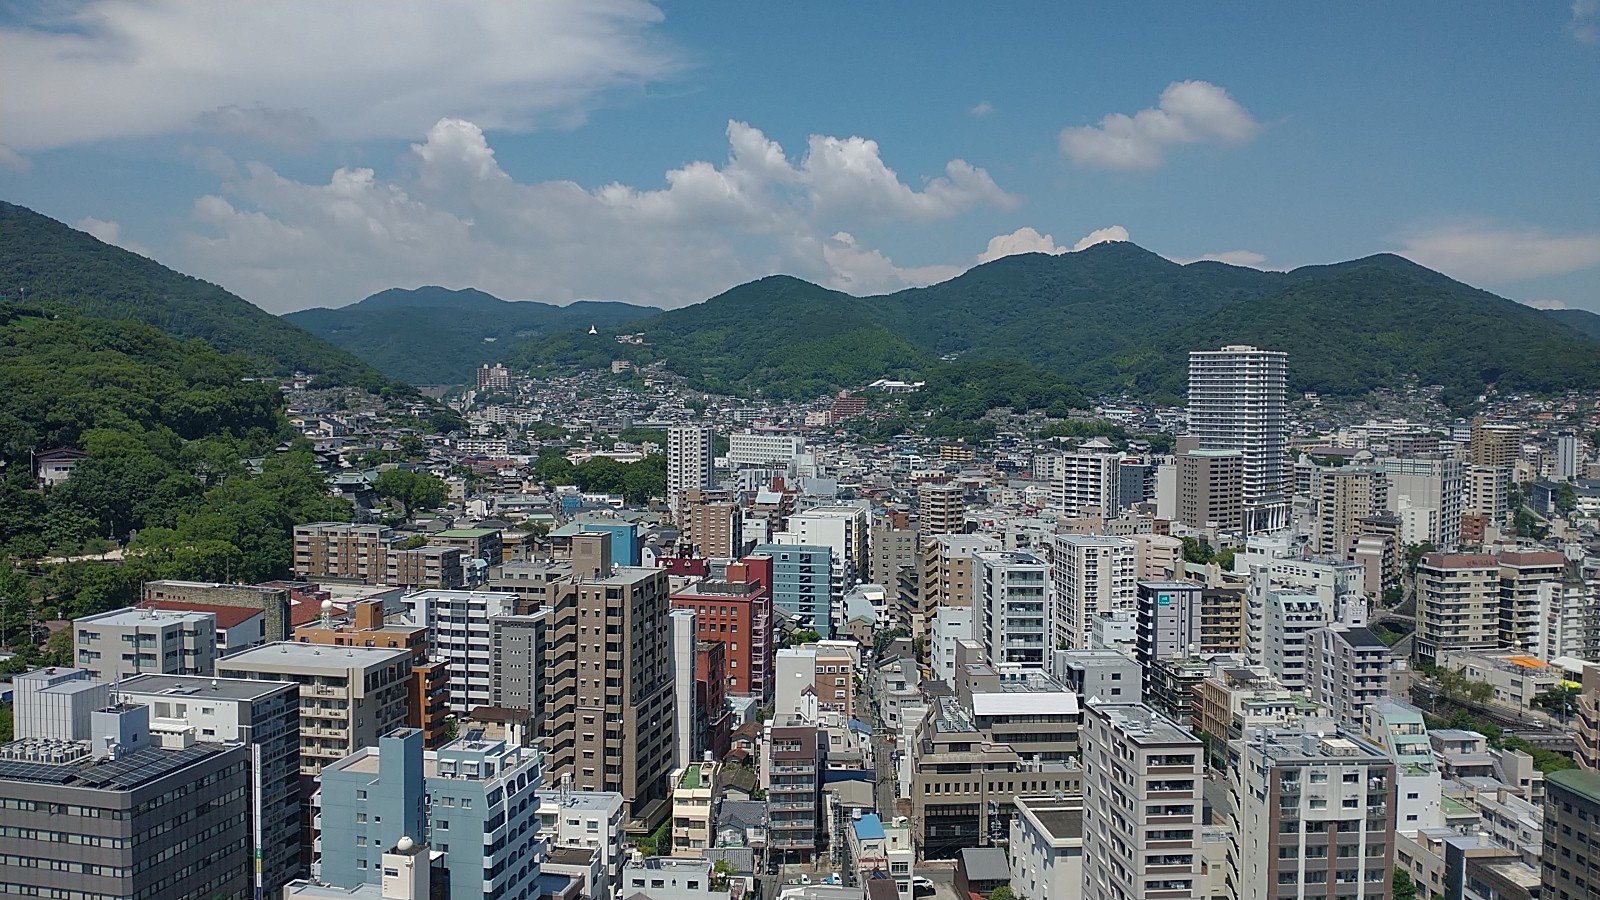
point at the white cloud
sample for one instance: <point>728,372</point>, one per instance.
<point>1028,240</point>
<point>1485,254</point>
<point>983,108</point>
<point>16,162</point>
<point>1547,304</point>
<point>1585,24</point>
<point>1246,258</point>
<point>109,232</point>
<point>1101,236</point>
<point>106,69</point>
<point>1189,112</point>
<point>456,218</point>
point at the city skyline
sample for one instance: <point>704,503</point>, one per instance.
<point>861,157</point>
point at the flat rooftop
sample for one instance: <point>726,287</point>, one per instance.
<point>143,615</point>
<point>1143,725</point>
<point>200,687</point>
<point>133,770</point>
<point>289,653</point>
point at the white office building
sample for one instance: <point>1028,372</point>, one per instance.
<point>1089,477</point>
<point>691,450</point>
<point>764,449</point>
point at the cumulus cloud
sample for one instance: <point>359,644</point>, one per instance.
<point>1585,23</point>
<point>1485,254</point>
<point>105,69</point>
<point>1029,240</point>
<point>983,108</point>
<point>1546,304</point>
<point>456,217</point>
<point>1101,236</point>
<point>109,232</point>
<point>1189,112</point>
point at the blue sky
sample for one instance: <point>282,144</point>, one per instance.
<point>311,154</point>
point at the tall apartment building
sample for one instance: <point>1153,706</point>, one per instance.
<point>1093,574</point>
<point>791,771</point>
<point>691,452</point>
<point>520,677</point>
<point>737,613</point>
<point>1290,620</point>
<point>1571,857</point>
<point>1142,778</point>
<point>349,696</point>
<point>265,717</point>
<point>1342,496</point>
<point>1347,670</point>
<point>273,602</point>
<point>1013,605</point>
<point>764,449</point>
<point>1527,582</point>
<point>948,566</point>
<point>1569,457</point>
<point>893,549</point>
<point>1316,816</point>
<point>1488,490</point>
<point>845,531</point>
<point>714,528</point>
<point>1136,482</point>
<point>477,799</point>
<point>802,583</point>
<point>494,378</point>
<point>1211,489</point>
<point>1222,621</point>
<point>942,508</point>
<point>1495,445</point>
<point>1088,477</point>
<point>428,695</point>
<point>1169,620</point>
<point>610,691</point>
<point>1458,603</point>
<point>140,640</point>
<point>1429,496</point>
<point>132,812</point>
<point>1238,401</point>
<point>459,625</point>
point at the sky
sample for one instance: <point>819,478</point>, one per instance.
<point>311,154</point>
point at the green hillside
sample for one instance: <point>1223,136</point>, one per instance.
<point>42,260</point>
<point>433,335</point>
<point>1580,320</point>
<point>779,335</point>
<point>1116,318</point>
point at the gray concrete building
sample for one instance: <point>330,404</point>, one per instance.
<point>140,640</point>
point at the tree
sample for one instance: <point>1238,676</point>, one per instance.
<point>1415,553</point>
<point>1003,892</point>
<point>721,873</point>
<point>804,636</point>
<point>1561,701</point>
<point>1404,887</point>
<point>1567,497</point>
<point>412,490</point>
<point>1196,552</point>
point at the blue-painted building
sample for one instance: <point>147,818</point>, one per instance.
<point>474,800</point>
<point>802,579</point>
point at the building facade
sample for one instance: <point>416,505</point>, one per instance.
<point>1238,401</point>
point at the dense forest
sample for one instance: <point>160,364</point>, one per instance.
<point>432,335</point>
<point>42,260</point>
<point>189,463</point>
<point>1111,319</point>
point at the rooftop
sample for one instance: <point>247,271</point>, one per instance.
<point>287,653</point>
<point>869,827</point>
<point>142,615</point>
<point>1143,725</point>
<point>1577,781</point>
<point>132,770</point>
<point>227,616</point>
<point>200,686</point>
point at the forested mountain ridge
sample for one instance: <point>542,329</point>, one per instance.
<point>45,261</point>
<point>1113,318</point>
<point>432,335</point>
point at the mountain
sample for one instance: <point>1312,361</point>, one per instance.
<point>780,335</point>
<point>1580,320</point>
<point>45,261</point>
<point>1114,318</point>
<point>434,335</point>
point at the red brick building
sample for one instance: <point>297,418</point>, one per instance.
<point>737,612</point>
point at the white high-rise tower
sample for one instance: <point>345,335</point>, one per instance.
<point>690,450</point>
<point>1237,401</point>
